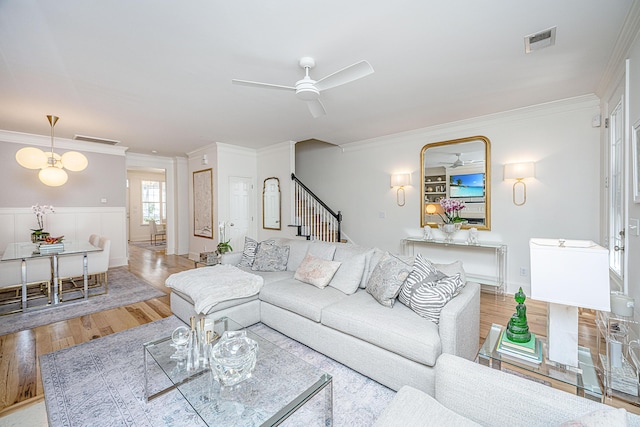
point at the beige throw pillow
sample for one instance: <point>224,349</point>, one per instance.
<point>316,271</point>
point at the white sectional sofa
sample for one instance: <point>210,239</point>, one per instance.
<point>394,346</point>
<point>469,394</point>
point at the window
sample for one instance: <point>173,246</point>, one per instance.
<point>154,205</point>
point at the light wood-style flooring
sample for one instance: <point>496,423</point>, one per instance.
<point>19,352</point>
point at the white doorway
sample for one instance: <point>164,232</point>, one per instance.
<point>240,217</point>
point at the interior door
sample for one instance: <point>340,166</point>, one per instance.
<point>616,188</point>
<point>240,218</point>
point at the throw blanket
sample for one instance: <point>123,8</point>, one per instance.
<point>208,286</point>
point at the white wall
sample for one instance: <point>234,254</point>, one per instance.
<point>277,161</point>
<point>76,223</point>
<point>562,201</point>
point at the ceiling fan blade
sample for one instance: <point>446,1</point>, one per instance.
<point>262,85</point>
<point>316,108</point>
<point>346,75</point>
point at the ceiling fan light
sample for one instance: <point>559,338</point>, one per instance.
<point>52,176</point>
<point>74,161</point>
<point>31,158</point>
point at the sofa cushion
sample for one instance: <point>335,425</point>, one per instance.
<point>349,275</point>
<point>270,276</point>
<point>411,407</point>
<point>249,252</point>
<point>428,298</point>
<point>316,271</point>
<point>398,329</point>
<point>270,257</point>
<point>300,298</point>
<point>608,417</point>
<point>298,250</point>
<point>321,249</point>
<point>452,269</point>
<point>345,251</point>
<point>387,278</point>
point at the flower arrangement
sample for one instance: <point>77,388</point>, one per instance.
<point>451,208</point>
<point>223,246</point>
<point>41,211</point>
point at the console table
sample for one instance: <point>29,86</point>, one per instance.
<point>491,271</point>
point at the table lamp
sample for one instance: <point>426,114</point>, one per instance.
<point>568,274</point>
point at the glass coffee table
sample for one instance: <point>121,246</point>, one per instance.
<point>583,379</point>
<point>280,385</point>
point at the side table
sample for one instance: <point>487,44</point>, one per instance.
<point>582,379</point>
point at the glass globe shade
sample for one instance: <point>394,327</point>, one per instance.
<point>31,158</point>
<point>52,176</point>
<point>74,161</point>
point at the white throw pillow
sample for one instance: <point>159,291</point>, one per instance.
<point>347,278</point>
<point>316,271</point>
<point>452,269</point>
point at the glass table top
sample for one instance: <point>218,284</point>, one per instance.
<point>582,377</point>
<point>25,250</point>
<point>280,385</point>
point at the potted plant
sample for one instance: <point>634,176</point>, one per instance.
<point>38,234</point>
<point>223,246</point>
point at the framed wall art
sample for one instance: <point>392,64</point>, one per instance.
<point>203,203</point>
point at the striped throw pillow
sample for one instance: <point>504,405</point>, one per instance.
<point>249,252</point>
<point>428,298</point>
<point>423,271</point>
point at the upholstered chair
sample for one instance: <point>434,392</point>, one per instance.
<point>38,274</point>
<point>71,268</point>
<point>156,231</point>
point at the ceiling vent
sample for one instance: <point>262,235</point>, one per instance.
<point>95,140</point>
<point>540,40</point>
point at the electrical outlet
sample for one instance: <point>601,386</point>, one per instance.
<point>523,271</point>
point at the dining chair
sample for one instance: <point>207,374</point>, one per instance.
<point>71,268</point>
<point>38,274</point>
<point>156,231</point>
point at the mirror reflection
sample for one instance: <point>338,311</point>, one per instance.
<point>459,170</point>
<point>271,204</point>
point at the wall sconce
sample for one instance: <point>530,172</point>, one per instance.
<point>400,180</point>
<point>519,172</point>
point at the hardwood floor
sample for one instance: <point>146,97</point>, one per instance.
<point>19,352</point>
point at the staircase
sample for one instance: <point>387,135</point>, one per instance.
<point>314,219</point>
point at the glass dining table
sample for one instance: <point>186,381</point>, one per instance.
<point>25,251</point>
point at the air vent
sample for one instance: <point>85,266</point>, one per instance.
<point>540,40</point>
<point>95,139</point>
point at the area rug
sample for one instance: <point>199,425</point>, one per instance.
<point>101,383</point>
<point>124,288</point>
<point>150,245</point>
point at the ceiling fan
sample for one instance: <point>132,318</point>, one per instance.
<point>459,162</point>
<point>308,90</point>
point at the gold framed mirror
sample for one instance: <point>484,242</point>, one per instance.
<point>271,204</point>
<point>457,169</point>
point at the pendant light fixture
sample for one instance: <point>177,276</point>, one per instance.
<point>52,165</point>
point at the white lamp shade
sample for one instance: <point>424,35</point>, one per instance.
<point>74,161</point>
<point>31,158</point>
<point>52,176</point>
<point>400,179</point>
<point>519,170</point>
<point>574,274</point>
